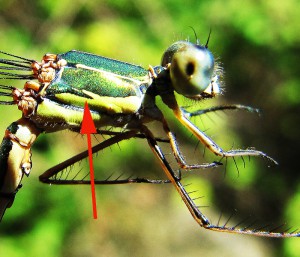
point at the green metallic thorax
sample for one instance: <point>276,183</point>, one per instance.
<point>112,89</point>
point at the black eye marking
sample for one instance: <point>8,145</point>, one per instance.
<point>190,68</point>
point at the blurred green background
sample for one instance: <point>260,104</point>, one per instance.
<point>257,43</point>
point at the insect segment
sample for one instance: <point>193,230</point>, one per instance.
<point>120,95</point>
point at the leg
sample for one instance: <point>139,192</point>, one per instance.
<point>212,146</point>
<point>220,108</point>
<point>179,157</point>
<point>158,116</point>
<point>199,217</point>
<point>50,176</point>
<point>138,135</point>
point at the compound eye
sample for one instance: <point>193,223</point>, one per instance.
<point>191,70</point>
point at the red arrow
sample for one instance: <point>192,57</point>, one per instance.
<point>88,128</point>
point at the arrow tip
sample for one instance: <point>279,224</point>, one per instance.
<point>87,125</point>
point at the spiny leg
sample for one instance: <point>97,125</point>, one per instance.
<point>138,135</point>
<point>219,108</point>
<point>223,108</point>
<point>173,143</point>
<point>212,146</point>
<point>195,212</point>
<point>179,157</point>
<point>49,175</point>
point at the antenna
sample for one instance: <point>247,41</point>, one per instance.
<point>206,45</point>
<point>195,34</point>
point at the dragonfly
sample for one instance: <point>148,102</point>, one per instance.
<point>119,95</point>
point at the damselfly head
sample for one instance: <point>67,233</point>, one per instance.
<point>192,70</point>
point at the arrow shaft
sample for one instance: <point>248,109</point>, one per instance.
<point>92,176</point>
